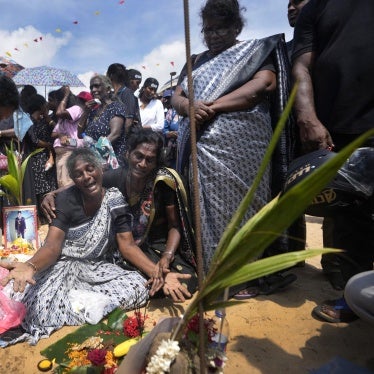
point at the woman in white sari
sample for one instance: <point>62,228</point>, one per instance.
<point>68,281</point>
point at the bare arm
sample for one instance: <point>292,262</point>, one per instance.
<point>46,256</point>
<point>116,124</point>
<point>61,111</point>
<point>128,123</point>
<point>173,286</point>
<point>131,252</point>
<point>248,95</point>
<point>174,236</point>
<point>313,133</point>
<point>48,203</point>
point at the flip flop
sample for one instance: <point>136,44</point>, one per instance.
<point>335,311</point>
<point>247,293</point>
<point>274,282</point>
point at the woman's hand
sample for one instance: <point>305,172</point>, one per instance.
<point>172,134</point>
<point>20,272</point>
<point>173,287</point>
<point>66,91</point>
<point>203,112</point>
<point>156,279</point>
<point>165,261</point>
<point>64,139</point>
<point>48,206</point>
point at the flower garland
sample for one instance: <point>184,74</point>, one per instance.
<point>169,349</point>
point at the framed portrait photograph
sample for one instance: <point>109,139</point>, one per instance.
<point>20,228</point>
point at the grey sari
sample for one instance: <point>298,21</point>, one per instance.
<point>231,147</point>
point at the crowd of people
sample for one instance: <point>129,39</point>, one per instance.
<point>120,226</point>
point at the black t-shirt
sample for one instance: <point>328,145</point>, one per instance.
<point>70,212</point>
<point>341,34</point>
<point>130,101</point>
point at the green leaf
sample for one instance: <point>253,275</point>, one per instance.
<point>116,318</point>
<point>58,350</point>
<point>86,370</point>
<point>13,181</point>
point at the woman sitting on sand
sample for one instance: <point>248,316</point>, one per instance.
<point>68,281</point>
<point>159,204</point>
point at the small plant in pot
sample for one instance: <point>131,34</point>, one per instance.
<point>12,188</point>
<point>13,181</point>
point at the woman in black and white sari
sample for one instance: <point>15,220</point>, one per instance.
<point>68,281</point>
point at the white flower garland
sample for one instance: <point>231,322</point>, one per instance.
<point>165,355</point>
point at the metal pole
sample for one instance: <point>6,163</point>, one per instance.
<point>171,79</point>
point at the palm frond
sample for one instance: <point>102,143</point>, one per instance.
<point>234,263</point>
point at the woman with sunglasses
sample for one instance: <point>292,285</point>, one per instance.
<point>104,121</point>
<point>233,81</point>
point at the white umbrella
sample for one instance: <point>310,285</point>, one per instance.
<point>46,76</point>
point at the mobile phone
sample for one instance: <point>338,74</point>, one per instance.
<point>72,142</point>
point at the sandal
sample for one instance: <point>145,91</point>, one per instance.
<point>275,282</point>
<point>247,293</point>
<point>335,311</point>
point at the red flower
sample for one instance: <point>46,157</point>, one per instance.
<point>133,326</point>
<point>193,327</point>
<point>97,357</point>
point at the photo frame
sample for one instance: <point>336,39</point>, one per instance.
<point>20,228</point>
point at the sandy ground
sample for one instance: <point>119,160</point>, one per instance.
<point>268,334</point>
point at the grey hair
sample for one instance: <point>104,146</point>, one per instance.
<point>104,80</point>
<point>84,154</point>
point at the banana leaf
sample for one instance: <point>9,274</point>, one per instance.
<point>58,350</point>
<point>116,319</point>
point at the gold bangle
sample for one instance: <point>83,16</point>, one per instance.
<point>32,265</point>
<point>51,122</point>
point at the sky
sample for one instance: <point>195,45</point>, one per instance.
<point>86,36</point>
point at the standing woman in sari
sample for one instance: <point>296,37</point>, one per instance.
<point>103,120</point>
<point>232,83</point>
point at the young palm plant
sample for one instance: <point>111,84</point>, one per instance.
<point>236,257</point>
<point>13,181</point>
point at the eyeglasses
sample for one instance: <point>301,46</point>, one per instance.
<point>95,85</point>
<point>220,32</point>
